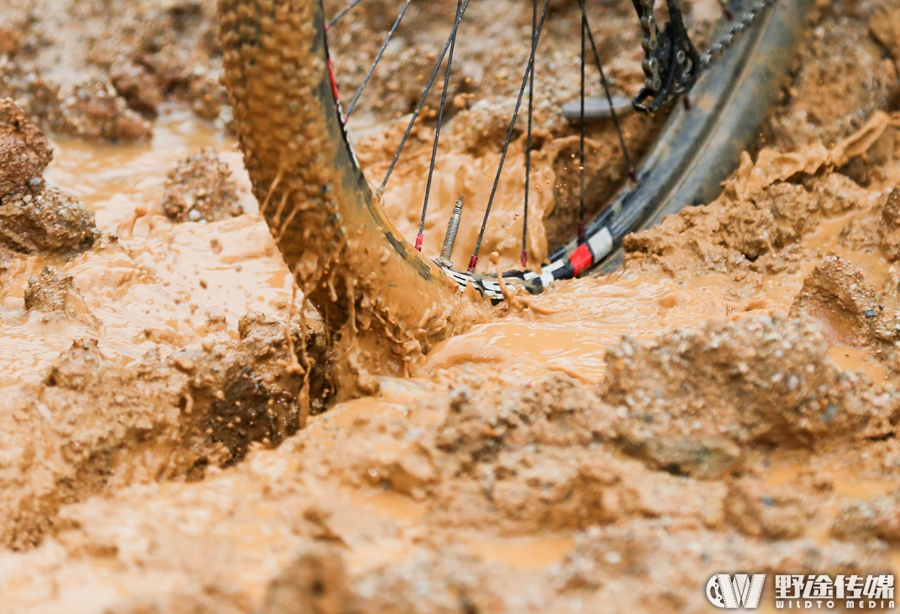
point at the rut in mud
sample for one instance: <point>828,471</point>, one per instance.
<point>728,401</point>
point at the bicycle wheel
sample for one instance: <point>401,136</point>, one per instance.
<point>383,300</point>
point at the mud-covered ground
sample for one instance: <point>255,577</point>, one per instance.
<point>728,402</point>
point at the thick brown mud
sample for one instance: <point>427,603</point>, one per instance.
<point>727,402</point>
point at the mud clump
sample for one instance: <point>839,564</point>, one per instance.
<point>757,233</point>
<point>314,583</point>
<point>92,110</point>
<point>878,228</point>
<point>730,234</point>
<point>704,457</point>
<point>759,510</point>
<point>10,40</point>
<point>884,25</point>
<point>45,220</point>
<point>139,89</point>
<point>200,189</point>
<point>837,295</point>
<point>24,150</point>
<point>170,53</point>
<point>757,379</point>
<point>48,291</point>
<point>208,99</point>
<point>17,32</point>
<point>823,107</point>
<point>867,520</point>
<point>558,412</point>
<point>889,229</point>
<point>121,63</point>
<point>95,111</point>
<point>837,193</point>
<point>33,217</point>
<point>527,459</point>
<point>68,436</point>
<point>254,392</point>
<point>91,423</point>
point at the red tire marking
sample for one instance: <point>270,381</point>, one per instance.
<point>334,89</point>
<point>581,259</point>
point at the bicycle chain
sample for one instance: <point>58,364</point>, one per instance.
<point>650,42</point>
<point>741,23</point>
<point>670,76</point>
<point>671,62</point>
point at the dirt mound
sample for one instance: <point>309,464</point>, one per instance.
<point>757,379</point>
<point>836,294</point>
<point>199,189</point>
<point>64,438</point>
<point>33,217</point>
<point>48,292</point>
<point>95,111</point>
<point>24,151</point>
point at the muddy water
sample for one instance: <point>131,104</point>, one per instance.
<point>158,284</point>
<point>575,322</point>
<point>524,552</point>
<point>584,319</point>
<point>168,279</point>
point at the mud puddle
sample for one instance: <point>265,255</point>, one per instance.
<point>133,295</point>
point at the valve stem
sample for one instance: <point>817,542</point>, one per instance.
<point>450,237</point>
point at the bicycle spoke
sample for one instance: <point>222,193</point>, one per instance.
<point>473,261</point>
<point>615,115</point>
<point>437,135</point>
<point>377,59</point>
<point>341,14</point>
<point>415,116</point>
<point>581,141</point>
<point>523,258</point>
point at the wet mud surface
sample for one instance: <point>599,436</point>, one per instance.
<point>729,401</point>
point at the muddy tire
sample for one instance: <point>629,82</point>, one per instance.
<point>383,303</point>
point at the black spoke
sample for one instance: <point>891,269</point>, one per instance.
<point>415,116</point>
<point>615,116</point>
<point>377,59</point>
<point>473,261</point>
<point>523,258</point>
<point>581,141</point>
<point>340,15</point>
<point>437,135</point>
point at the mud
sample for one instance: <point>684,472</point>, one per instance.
<point>170,435</point>
<point>48,291</point>
<point>200,189</point>
<point>35,217</point>
<point>26,152</point>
